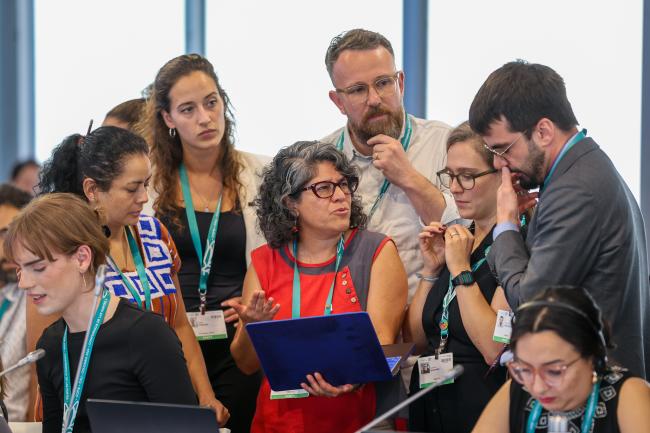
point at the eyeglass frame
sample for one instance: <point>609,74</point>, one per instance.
<point>353,180</point>
<point>536,372</point>
<point>501,154</point>
<point>346,91</point>
<point>455,177</point>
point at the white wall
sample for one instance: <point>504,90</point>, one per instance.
<point>595,45</point>
<point>270,58</point>
<point>91,55</point>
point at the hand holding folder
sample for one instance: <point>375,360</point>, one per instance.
<point>342,348</point>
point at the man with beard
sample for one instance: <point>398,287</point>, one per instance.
<point>398,155</point>
<point>587,229</point>
<point>13,346</point>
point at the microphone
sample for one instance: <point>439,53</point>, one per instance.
<point>29,359</point>
<point>453,373</point>
<point>558,423</point>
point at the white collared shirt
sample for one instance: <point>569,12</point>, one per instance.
<point>395,216</point>
<point>13,347</point>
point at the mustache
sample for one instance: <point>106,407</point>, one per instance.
<point>374,111</point>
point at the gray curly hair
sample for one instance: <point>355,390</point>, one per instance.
<point>285,176</point>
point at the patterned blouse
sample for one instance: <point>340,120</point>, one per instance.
<point>161,263</point>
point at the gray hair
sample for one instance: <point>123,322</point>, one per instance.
<point>355,39</point>
<point>282,180</point>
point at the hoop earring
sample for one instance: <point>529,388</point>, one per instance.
<point>172,132</point>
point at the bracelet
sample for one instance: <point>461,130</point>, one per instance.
<point>426,278</point>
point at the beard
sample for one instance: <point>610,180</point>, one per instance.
<point>390,125</point>
<point>533,176</point>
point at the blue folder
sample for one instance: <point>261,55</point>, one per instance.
<point>342,347</point>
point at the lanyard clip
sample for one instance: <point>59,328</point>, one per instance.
<point>202,305</point>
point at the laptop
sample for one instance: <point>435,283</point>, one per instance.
<point>342,347</point>
<point>110,416</point>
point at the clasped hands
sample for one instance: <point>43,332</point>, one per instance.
<point>261,309</point>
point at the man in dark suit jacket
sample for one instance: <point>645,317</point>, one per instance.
<point>587,229</point>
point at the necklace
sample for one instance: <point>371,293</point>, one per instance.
<point>206,203</point>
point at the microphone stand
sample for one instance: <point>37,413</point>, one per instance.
<point>454,373</point>
<point>99,283</point>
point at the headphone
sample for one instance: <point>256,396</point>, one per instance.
<point>600,363</point>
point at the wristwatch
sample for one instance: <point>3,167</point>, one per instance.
<point>465,278</point>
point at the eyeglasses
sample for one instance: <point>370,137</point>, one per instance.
<point>384,86</point>
<point>326,188</point>
<point>465,180</point>
<point>552,374</point>
<point>500,153</point>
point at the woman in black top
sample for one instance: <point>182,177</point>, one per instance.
<point>57,243</point>
<point>562,380</point>
<point>458,252</point>
<point>203,181</point>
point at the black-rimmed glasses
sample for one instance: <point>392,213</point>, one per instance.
<point>326,188</point>
<point>465,180</point>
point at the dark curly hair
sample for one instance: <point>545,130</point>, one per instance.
<point>291,169</point>
<point>99,155</point>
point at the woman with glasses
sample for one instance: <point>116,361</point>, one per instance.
<point>453,313</point>
<point>317,249</point>
<point>562,381</point>
<point>204,187</point>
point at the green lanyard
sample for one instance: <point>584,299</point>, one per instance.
<point>449,296</point>
<point>206,263</point>
<point>4,307</point>
<point>295,301</point>
<point>576,138</point>
<point>587,420</point>
<point>71,398</point>
<point>406,142</point>
<point>139,268</point>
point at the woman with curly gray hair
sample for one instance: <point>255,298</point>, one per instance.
<point>318,250</point>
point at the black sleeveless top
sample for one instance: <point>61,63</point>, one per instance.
<point>605,419</point>
<point>455,408</point>
<point>228,262</point>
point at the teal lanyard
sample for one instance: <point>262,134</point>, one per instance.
<point>576,138</point>
<point>140,269</point>
<point>71,398</point>
<point>587,420</point>
<point>295,300</point>
<point>4,307</point>
<point>449,296</point>
<point>206,264</point>
<point>406,142</point>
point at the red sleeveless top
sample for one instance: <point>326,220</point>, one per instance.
<point>274,268</point>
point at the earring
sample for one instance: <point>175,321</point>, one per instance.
<point>83,277</point>
<point>295,229</point>
<point>172,132</point>
<point>594,377</point>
